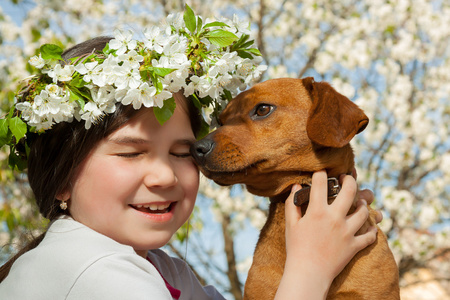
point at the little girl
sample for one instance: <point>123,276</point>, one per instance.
<point>116,191</point>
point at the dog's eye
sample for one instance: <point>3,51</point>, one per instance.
<point>262,110</point>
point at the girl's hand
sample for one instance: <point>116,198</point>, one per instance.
<point>321,243</point>
<point>369,197</point>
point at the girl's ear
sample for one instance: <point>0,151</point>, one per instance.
<point>63,196</point>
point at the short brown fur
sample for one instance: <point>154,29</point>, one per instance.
<point>309,130</point>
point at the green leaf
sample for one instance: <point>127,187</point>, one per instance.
<point>82,93</point>
<point>51,51</point>
<point>106,50</point>
<point>221,38</point>
<point>15,162</point>
<point>204,130</point>
<point>189,19</point>
<point>227,95</point>
<point>159,86</point>
<point>81,103</point>
<point>195,100</point>
<point>241,41</point>
<point>206,101</point>
<point>11,112</point>
<point>199,23</point>
<point>244,54</point>
<point>17,127</point>
<point>76,95</point>
<point>4,132</point>
<point>162,71</point>
<point>213,24</point>
<point>77,81</point>
<point>73,96</point>
<point>254,51</point>
<point>164,113</point>
<point>246,45</point>
<point>145,75</point>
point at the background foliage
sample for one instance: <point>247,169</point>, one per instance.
<point>392,57</point>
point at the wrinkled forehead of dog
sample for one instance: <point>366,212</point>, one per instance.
<point>332,118</point>
<point>280,91</point>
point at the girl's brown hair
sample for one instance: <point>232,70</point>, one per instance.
<point>55,155</point>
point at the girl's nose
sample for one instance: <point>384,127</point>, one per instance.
<point>160,174</point>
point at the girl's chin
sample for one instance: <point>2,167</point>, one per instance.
<point>142,249</point>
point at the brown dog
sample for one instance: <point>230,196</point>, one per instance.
<point>274,135</point>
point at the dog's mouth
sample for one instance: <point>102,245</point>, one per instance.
<point>233,175</point>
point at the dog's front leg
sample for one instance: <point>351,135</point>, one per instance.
<point>270,256</point>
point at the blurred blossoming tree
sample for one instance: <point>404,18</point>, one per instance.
<point>391,57</point>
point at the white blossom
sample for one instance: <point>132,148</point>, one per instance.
<point>126,77</point>
<point>132,58</point>
<point>144,94</point>
<point>91,114</point>
<point>123,41</point>
<point>37,61</point>
<point>155,39</point>
<point>89,70</point>
<point>61,74</point>
<point>160,97</point>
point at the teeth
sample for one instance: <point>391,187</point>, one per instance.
<point>154,206</point>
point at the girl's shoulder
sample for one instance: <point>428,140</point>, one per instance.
<point>67,234</point>
<point>76,262</point>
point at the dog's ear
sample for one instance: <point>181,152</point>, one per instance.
<point>333,119</point>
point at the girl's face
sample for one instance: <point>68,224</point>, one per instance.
<point>139,185</point>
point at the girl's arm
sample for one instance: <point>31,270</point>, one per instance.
<point>321,243</point>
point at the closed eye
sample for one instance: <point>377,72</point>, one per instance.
<point>129,155</point>
<point>182,155</point>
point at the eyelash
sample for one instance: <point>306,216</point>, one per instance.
<point>129,155</point>
<point>133,155</point>
<point>181,155</point>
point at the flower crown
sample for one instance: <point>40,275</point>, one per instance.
<point>209,61</point>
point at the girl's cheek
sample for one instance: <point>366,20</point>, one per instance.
<point>192,175</point>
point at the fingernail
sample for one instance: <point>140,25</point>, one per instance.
<point>296,187</point>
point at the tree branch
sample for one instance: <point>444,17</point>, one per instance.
<point>235,284</point>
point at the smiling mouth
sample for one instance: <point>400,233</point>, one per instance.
<point>153,208</point>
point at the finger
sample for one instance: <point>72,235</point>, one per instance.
<point>292,212</point>
<point>347,194</point>
<point>378,216</point>
<point>366,195</point>
<point>358,217</point>
<point>319,190</point>
<point>366,239</point>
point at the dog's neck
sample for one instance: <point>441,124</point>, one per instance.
<point>301,197</point>
<point>279,183</point>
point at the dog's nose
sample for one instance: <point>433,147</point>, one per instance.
<point>202,148</point>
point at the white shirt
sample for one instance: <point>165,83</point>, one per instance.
<point>76,262</point>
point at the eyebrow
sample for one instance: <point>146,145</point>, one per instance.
<point>188,142</point>
<point>140,141</point>
<point>128,140</point>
